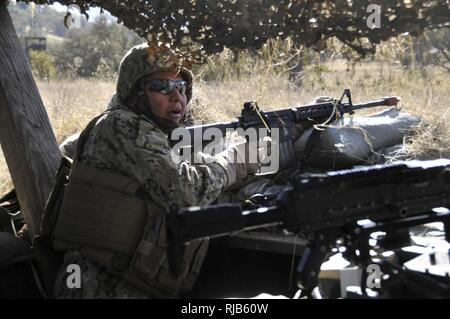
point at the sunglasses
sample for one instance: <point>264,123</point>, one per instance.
<point>166,86</point>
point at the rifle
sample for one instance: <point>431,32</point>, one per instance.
<point>326,207</point>
<point>283,120</point>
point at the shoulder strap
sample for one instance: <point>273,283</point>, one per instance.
<point>83,137</point>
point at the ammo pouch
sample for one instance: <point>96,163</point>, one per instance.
<point>108,218</point>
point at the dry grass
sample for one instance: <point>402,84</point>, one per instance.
<point>70,104</point>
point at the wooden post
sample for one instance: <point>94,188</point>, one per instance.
<point>26,135</point>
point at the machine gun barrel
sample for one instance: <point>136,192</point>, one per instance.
<point>327,207</point>
<point>327,201</point>
<point>218,220</point>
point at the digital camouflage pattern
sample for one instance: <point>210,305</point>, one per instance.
<point>133,145</point>
<point>142,60</point>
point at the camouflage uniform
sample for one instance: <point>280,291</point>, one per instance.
<point>135,146</point>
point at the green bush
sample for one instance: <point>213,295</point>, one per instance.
<point>42,64</point>
<point>96,50</point>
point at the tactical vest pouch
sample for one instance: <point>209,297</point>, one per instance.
<point>102,217</point>
<point>100,209</point>
<point>110,220</point>
<point>151,265</point>
<point>53,205</point>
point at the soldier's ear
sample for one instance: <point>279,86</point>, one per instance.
<point>136,96</point>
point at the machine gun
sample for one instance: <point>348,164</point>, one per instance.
<point>328,208</point>
<point>282,120</point>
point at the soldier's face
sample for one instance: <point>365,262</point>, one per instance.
<point>168,105</point>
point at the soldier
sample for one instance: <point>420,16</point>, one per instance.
<point>130,142</point>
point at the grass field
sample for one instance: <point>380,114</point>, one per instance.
<point>424,93</point>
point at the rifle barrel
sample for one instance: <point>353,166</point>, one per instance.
<point>387,101</point>
<point>287,115</point>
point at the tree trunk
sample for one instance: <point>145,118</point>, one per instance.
<point>26,136</point>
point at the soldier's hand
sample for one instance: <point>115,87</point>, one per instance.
<point>250,156</point>
<point>241,161</point>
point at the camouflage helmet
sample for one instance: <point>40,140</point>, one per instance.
<point>142,60</point>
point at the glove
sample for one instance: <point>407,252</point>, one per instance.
<point>240,161</point>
